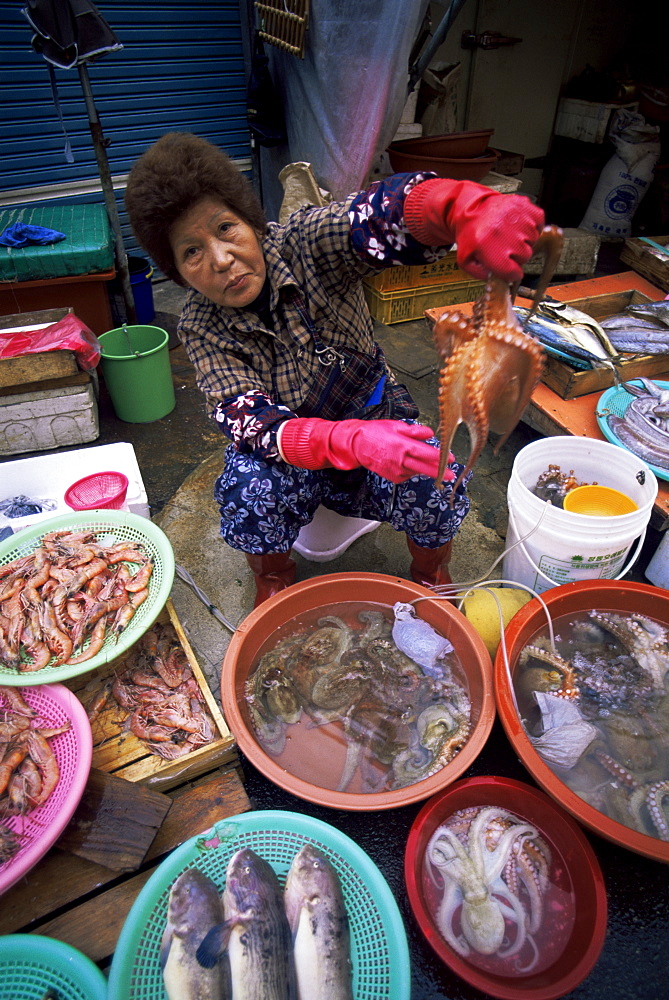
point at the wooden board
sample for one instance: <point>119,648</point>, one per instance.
<point>645,260</point>
<point>118,751</point>
<point>115,822</point>
<point>36,317</point>
<point>36,368</point>
<point>85,904</point>
<point>81,378</point>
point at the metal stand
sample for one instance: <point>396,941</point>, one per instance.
<point>99,145</point>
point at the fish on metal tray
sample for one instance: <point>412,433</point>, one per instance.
<point>565,329</point>
<point>194,907</point>
<point>319,924</point>
<point>644,428</point>
<point>254,933</point>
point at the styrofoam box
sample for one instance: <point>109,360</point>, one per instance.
<point>49,418</point>
<point>47,477</point>
<point>586,120</point>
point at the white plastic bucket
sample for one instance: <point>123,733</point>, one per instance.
<point>562,547</point>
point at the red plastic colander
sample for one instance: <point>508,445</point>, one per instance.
<point>99,490</point>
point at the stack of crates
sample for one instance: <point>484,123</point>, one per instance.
<point>399,294</point>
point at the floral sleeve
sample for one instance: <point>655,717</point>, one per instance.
<point>378,231</point>
<point>251,422</point>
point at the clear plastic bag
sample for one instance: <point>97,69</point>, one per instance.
<point>344,100</point>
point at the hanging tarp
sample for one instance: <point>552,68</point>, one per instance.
<point>344,100</point>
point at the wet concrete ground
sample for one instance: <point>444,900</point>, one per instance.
<point>180,457</point>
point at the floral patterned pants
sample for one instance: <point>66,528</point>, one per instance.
<point>264,505</point>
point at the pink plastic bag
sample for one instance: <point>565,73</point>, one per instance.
<point>68,334</point>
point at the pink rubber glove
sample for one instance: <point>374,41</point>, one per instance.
<point>494,232</point>
<point>391,448</point>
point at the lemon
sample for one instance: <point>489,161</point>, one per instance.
<point>480,608</point>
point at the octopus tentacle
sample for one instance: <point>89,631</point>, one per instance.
<point>568,688</point>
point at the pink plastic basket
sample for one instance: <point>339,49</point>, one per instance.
<point>40,828</point>
<point>101,490</point>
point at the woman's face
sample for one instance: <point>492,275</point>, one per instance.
<point>218,254</point>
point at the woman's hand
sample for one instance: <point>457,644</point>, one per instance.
<point>391,448</point>
<point>494,232</point>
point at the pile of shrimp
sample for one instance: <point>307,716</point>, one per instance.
<point>160,700</point>
<point>29,770</point>
<point>70,590</point>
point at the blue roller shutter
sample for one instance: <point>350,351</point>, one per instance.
<point>181,68</point>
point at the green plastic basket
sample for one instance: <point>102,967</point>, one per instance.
<point>109,526</point>
<point>30,964</point>
<point>379,950</point>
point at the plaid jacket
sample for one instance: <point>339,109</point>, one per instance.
<point>253,378</point>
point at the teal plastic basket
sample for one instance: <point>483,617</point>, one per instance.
<point>379,950</point>
<point>31,964</point>
<point>614,402</point>
<point>109,527</point>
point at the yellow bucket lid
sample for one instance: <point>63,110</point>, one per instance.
<point>598,501</point>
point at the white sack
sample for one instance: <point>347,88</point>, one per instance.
<point>626,178</point>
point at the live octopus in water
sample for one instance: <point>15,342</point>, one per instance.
<point>609,698</point>
<point>494,871</point>
<point>400,722</point>
<point>491,365</point>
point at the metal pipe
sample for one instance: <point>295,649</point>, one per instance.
<point>443,28</point>
<point>99,145</point>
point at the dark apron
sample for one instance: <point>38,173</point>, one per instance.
<point>350,384</point>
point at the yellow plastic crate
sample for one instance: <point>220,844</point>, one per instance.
<point>440,272</point>
<point>411,303</point>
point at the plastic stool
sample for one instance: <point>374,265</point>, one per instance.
<point>329,534</point>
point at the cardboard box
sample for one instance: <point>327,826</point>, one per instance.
<point>587,121</point>
<point>47,477</point>
<point>48,418</point>
<point>405,304</point>
<point>569,383</point>
<point>648,260</point>
<point>116,749</point>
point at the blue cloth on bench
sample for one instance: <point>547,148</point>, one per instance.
<point>22,235</point>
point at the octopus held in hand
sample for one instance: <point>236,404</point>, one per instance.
<point>491,365</point>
